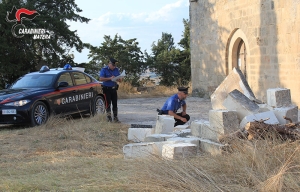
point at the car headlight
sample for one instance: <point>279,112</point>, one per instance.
<point>17,103</point>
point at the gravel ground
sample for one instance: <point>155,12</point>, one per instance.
<point>143,110</point>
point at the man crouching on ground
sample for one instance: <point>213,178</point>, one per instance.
<point>174,103</point>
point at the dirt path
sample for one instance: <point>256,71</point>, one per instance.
<point>143,110</point>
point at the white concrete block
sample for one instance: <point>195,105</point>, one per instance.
<point>183,133</point>
<point>159,145</point>
<point>265,115</point>
<point>279,97</point>
<point>211,147</point>
<point>235,80</point>
<point>139,134</point>
<point>201,128</point>
<point>164,124</point>
<point>192,140</point>
<point>179,150</point>
<point>237,101</point>
<point>290,112</point>
<point>159,137</point>
<point>139,150</point>
<point>222,122</point>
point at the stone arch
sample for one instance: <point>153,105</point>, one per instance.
<point>232,48</point>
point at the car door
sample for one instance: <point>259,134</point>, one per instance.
<point>85,91</point>
<point>64,99</point>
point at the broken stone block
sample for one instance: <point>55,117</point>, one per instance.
<point>139,150</point>
<point>264,108</point>
<point>198,127</point>
<point>290,112</point>
<point>179,150</point>
<point>222,122</point>
<point>211,147</point>
<point>164,124</point>
<point>278,97</point>
<point>237,101</point>
<point>201,128</point>
<point>139,134</point>
<point>235,80</point>
<point>183,133</point>
<point>260,116</point>
<point>192,140</point>
<point>159,145</point>
<point>159,137</point>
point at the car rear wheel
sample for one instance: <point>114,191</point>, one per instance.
<point>39,114</point>
<point>99,106</point>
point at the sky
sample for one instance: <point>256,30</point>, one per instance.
<point>140,19</point>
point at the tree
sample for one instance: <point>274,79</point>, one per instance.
<point>23,55</point>
<point>127,52</point>
<point>170,63</point>
<point>185,55</point>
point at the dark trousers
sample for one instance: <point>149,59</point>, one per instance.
<point>111,96</point>
<point>179,122</point>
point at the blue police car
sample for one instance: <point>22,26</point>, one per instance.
<point>35,96</point>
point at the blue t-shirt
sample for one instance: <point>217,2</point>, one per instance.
<point>107,72</point>
<point>172,104</point>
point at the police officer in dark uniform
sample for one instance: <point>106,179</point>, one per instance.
<point>110,88</point>
<point>174,103</point>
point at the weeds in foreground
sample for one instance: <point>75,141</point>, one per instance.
<point>252,166</point>
<point>85,154</point>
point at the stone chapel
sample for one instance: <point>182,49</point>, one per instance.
<point>260,37</point>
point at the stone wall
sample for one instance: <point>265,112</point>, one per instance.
<point>270,30</point>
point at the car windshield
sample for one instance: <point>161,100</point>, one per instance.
<point>34,81</point>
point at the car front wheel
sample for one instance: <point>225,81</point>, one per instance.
<point>99,106</point>
<point>39,114</point>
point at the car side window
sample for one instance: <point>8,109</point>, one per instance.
<point>65,77</point>
<point>79,78</point>
<point>88,79</point>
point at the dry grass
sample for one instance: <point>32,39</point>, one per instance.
<point>85,154</point>
<point>127,91</point>
<point>259,166</point>
<point>64,155</point>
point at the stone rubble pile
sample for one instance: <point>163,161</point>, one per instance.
<point>165,140</point>
<point>233,106</point>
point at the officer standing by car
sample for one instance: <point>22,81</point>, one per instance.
<point>110,88</point>
<point>174,103</point>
